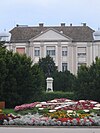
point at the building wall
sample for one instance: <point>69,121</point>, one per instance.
<point>77,53</point>
<point>65,53</point>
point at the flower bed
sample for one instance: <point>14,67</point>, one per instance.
<point>57,112</point>
<point>61,104</point>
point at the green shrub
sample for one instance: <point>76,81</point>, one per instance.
<point>45,96</point>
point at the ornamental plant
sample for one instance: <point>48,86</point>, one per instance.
<point>56,112</point>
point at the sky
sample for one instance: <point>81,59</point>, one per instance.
<point>49,12</point>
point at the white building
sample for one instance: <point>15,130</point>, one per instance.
<point>69,46</point>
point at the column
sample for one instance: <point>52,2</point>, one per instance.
<point>42,50</point>
<point>14,47</point>
<point>74,59</point>
<point>89,54</point>
<point>59,56</point>
<point>27,49</point>
<point>31,51</point>
<point>70,57</point>
<point>99,50</point>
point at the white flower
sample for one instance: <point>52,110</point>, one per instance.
<point>37,122</point>
<point>97,105</point>
<point>59,123</point>
<point>74,122</point>
<point>86,110</point>
<point>68,123</point>
<point>82,122</point>
<point>53,101</point>
<point>5,122</point>
<point>11,122</point>
<point>96,108</point>
<point>52,111</point>
<point>69,111</point>
<point>42,123</point>
<point>38,105</point>
<point>64,123</point>
<point>40,108</point>
<point>56,108</point>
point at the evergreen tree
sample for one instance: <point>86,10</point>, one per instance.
<point>19,82</point>
<point>47,65</point>
<point>38,81</point>
<point>3,70</point>
<point>81,84</point>
<point>63,81</point>
<point>88,82</point>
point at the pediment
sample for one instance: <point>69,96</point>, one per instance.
<point>51,35</point>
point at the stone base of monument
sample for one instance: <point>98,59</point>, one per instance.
<point>49,81</point>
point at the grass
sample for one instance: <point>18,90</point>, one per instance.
<point>8,111</point>
<point>24,112</point>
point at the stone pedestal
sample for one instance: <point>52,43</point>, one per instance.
<point>49,81</point>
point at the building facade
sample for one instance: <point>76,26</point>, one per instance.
<point>69,46</point>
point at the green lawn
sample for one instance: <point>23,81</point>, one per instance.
<point>8,111</point>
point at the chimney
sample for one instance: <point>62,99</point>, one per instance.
<point>17,25</point>
<point>62,24</point>
<point>84,24</point>
<point>70,24</point>
<point>40,25</point>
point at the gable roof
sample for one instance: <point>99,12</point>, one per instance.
<point>77,33</point>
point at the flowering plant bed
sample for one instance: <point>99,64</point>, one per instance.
<point>57,112</point>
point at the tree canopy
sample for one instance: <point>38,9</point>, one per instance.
<point>18,78</point>
<point>87,85</point>
<point>38,80</point>
<point>47,65</point>
<point>21,81</point>
<point>63,81</point>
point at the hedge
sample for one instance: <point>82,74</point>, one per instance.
<point>46,96</point>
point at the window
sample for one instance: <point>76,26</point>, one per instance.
<point>20,50</point>
<point>81,64</point>
<point>50,50</point>
<point>64,51</point>
<point>64,67</point>
<point>36,51</point>
<point>81,54</point>
<point>81,51</point>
